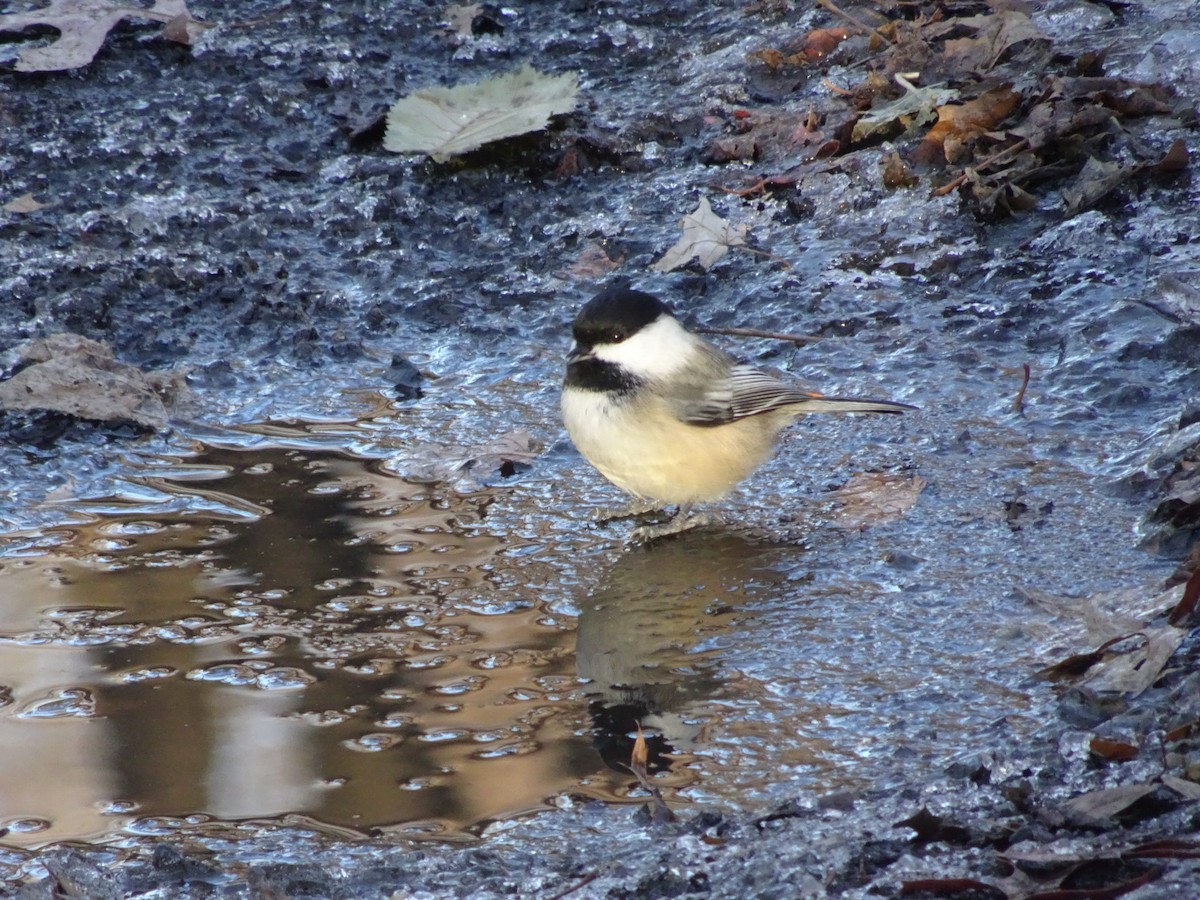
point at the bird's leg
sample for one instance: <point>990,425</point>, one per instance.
<point>680,522</point>
<point>636,507</point>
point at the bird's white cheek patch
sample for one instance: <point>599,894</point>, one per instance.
<point>657,351</point>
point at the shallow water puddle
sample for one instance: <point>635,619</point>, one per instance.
<point>295,632</point>
<point>290,633</point>
<point>312,637</point>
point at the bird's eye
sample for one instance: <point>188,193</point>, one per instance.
<point>616,337</point>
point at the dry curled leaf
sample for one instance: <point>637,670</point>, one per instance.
<point>445,122</point>
<point>996,32</point>
<point>79,377</point>
<point>592,264</point>
<point>706,238</point>
<point>960,122</point>
<point>1098,808</point>
<point>83,26</point>
<point>873,498</point>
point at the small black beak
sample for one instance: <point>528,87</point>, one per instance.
<point>578,353</point>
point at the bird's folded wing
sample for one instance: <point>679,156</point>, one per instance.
<point>746,392</point>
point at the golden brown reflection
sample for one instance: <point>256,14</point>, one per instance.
<point>345,654</point>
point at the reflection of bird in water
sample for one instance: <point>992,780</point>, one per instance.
<point>640,630</point>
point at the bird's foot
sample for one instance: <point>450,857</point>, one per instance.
<point>632,510</point>
<point>680,522</point>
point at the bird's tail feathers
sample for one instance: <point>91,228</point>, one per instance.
<point>850,404</point>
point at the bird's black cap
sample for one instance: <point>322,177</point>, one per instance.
<point>616,313</point>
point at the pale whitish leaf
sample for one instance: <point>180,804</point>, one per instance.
<point>445,122</point>
<point>23,204</point>
<point>917,107</point>
<point>706,237</point>
<point>1188,789</point>
<point>82,26</point>
<point>459,18</point>
<point>1134,665</point>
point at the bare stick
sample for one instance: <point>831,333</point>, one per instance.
<point>1019,404</point>
<point>828,4</point>
<point>991,160</point>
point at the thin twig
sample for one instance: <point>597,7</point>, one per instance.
<point>771,256</point>
<point>760,185</point>
<point>1019,404</point>
<point>261,20</point>
<point>991,160</point>
<point>583,882</point>
<point>870,29</point>
<point>759,333</point>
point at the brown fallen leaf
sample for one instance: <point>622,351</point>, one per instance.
<point>959,123</point>
<point>896,173</point>
<point>640,757</point>
<point>810,48</point>
<point>1184,613</point>
<point>1174,160</point>
<point>952,887</point>
<point>995,196</point>
<point>823,41</point>
<point>873,498</point>
<point>639,762</point>
<point>1097,180</point>
<point>1101,807</point>
<point>996,33</point>
<point>1114,751</point>
<point>83,26</point>
<point>1168,848</point>
<point>1131,655</point>
<point>592,264</point>
<point>1078,663</point>
<point>706,238</point>
<point>79,377</point>
<point>1135,665</point>
<point>784,136</point>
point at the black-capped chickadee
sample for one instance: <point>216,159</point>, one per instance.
<point>668,417</point>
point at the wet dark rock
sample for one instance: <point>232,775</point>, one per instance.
<point>866,862</point>
<point>405,378</point>
<point>73,875</point>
